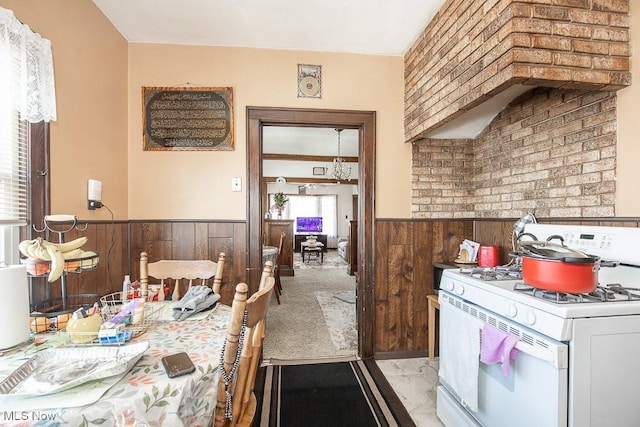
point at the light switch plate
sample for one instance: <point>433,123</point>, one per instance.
<point>236,184</point>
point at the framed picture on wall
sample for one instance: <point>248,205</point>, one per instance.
<point>319,171</point>
<point>309,81</point>
<point>186,118</point>
<point>302,189</point>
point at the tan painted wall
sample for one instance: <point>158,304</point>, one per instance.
<point>89,139</point>
<point>628,171</point>
<point>197,185</point>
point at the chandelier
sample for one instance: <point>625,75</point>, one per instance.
<point>340,170</point>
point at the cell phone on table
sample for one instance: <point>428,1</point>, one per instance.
<point>178,364</point>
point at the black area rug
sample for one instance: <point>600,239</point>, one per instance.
<point>324,394</point>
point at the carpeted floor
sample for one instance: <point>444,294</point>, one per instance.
<point>325,394</point>
<point>331,260</point>
<point>298,328</point>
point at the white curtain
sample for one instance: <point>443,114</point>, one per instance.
<point>26,70</point>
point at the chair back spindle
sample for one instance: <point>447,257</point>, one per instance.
<point>247,323</point>
<point>190,270</point>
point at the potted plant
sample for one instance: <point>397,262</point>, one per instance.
<point>280,200</point>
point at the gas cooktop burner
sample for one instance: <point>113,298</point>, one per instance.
<point>503,272</point>
<point>603,293</point>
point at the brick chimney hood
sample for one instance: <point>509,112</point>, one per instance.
<point>476,56</point>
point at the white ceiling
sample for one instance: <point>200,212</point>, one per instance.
<point>309,141</point>
<point>377,27</point>
<point>312,141</point>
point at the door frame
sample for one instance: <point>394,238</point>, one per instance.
<point>365,122</point>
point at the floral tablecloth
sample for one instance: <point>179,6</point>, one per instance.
<point>144,396</point>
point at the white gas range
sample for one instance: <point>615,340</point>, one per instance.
<point>577,354</point>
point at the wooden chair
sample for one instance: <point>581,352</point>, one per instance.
<point>276,270</point>
<point>267,272</point>
<point>180,269</point>
<point>236,400</point>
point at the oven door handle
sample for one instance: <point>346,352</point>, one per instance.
<point>558,359</point>
<point>559,362</point>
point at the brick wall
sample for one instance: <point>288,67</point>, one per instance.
<point>474,49</point>
<point>442,179</point>
<point>551,150</point>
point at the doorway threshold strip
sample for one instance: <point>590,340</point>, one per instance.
<point>322,394</point>
<point>309,361</point>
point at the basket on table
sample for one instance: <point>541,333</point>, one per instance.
<point>112,305</point>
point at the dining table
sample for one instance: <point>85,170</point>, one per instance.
<point>141,396</point>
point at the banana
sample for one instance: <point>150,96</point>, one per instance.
<point>57,253</point>
<point>69,246</point>
<point>24,247</point>
<point>36,248</point>
<point>57,262</point>
<point>39,249</point>
<point>73,254</point>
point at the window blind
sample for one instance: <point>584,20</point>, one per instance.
<point>13,166</point>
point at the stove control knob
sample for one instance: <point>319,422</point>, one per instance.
<point>512,310</point>
<point>530,318</point>
<point>449,285</point>
<point>459,289</point>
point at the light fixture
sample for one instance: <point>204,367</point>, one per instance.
<point>94,194</point>
<point>340,170</point>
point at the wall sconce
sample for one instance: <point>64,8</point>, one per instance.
<point>94,194</point>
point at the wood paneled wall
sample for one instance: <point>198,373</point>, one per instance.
<point>405,253</point>
<point>193,240</point>
<point>110,241</point>
<point>120,243</point>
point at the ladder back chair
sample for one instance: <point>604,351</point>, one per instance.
<point>240,358</point>
<point>199,270</point>
<point>276,270</point>
<point>267,272</point>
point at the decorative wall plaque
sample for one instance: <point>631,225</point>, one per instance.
<point>179,118</point>
<point>309,81</point>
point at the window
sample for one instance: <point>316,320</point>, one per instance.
<point>28,96</point>
<point>325,206</point>
<point>13,180</point>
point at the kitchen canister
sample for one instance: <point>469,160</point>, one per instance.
<point>14,305</point>
<point>488,256</point>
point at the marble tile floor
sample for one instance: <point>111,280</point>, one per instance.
<point>414,381</point>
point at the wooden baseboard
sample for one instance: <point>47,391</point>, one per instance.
<point>386,355</point>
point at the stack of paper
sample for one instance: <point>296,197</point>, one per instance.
<point>468,251</point>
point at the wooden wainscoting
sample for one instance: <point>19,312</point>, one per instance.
<point>119,245</point>
<point>193,240</point>
<point>405,253</point>
<point>110,240</point>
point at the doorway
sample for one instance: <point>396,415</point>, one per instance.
<point>364,122</point>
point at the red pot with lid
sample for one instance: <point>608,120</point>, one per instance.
<point>488,256</point>
<point>554,267</point>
